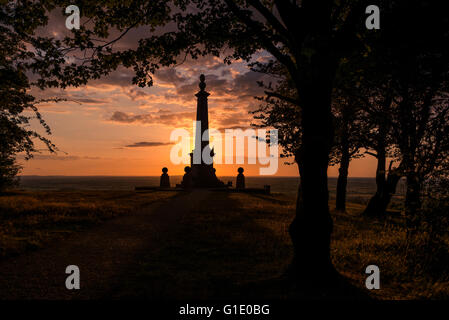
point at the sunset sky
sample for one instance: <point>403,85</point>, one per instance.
<point>111,127</point>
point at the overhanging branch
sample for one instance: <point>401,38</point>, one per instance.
<point>266,42</point>
<point>282,97</point>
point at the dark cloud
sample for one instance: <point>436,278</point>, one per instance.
<point>119,116</point>
<point>153,118</point>
<point>184,76</point>
<point>89,100</point>
<point>121,77</point>
<point>226,72</point>
<point>174,118</point>
<point>147,144</point>
<point>136,94</point>
<point>169,76</point>
<point>59,158</point>
<point>234,121</point>
<point>243,86</point>
<point>187,91</point>
<point>233,127</point>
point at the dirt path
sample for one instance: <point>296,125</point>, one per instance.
<point>103,254</point>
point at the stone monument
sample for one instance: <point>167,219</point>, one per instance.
<point>203,174</point>
<point>240,181</point>
<point>165,179</point>
<point>187,182</point>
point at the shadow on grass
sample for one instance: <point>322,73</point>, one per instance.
<point>229,246</point>
<point>271,197</point>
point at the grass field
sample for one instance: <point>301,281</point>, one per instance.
<point>30,219</point>
<point>230,240</point>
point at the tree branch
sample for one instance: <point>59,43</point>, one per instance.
<point>289,13</point>
<point>282,97</point>
<point>275,23</point>
<point>371,154</point>
<point>269,46</point>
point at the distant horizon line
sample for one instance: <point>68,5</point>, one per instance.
<point>175,175</point>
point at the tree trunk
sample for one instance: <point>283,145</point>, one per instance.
<point>312,226</point>
<point>390,187</point>
<point>412,200</point>
<point>342,180</point>
<point>374,207</point>
<point>378,204</point>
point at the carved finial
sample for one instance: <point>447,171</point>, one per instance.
<point>202,84</point>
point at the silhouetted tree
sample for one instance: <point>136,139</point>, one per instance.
<point>349,133</point>
<point>279,113</point>
<point>418,93</point>
<point>15,100</point>
<point>378,142</point>
<point>285,117</point>
<point>364,80</point>
<point>423,141</point>
<point>399,82</point>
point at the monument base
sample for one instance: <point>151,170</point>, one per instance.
<point>203,176</point>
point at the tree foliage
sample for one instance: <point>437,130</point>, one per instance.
<point>17,105</point>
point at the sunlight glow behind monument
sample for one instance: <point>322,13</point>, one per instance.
<point>204,153</point>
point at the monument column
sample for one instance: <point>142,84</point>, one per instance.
<point>203,174</point>
<point>202,141</point>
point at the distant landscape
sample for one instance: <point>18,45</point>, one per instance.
<point>359,189</point>
<point>278,184</point>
